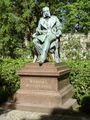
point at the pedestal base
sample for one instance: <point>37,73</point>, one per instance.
<point>44,88</point>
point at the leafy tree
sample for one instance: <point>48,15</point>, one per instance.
<point>19,18</point>
<point>77,16</point>
<point>76,13</point>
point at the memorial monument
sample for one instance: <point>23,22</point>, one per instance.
<point>47,37</point>
<point>44,85</point>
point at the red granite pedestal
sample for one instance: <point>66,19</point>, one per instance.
<point>44,88</point>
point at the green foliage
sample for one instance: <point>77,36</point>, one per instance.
<point>16,19</point>
<point>77,13</point>
<point>72,48</point>
<point>25,52</point>
<point>19,18</point>
<point>9,80</point>
<point>85,104</point>
<point>80,77</point>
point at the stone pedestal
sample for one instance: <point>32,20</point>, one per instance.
<point>44,88</point>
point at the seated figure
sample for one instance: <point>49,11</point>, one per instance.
<point>47,37</point>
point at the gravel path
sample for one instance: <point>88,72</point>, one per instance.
<point>23,115</point>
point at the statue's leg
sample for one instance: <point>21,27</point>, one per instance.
<point>45,51</point>
<point>57,56</point>
<point>57,52</point>
<point>37,46</point>
<point>46,47</point>
<point>53,56</point>
<point>35,58</point>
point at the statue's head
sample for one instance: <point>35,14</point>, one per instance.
<point>46,12</point>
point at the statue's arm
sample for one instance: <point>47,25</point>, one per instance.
<point>58,27</point>
<point>39,28</point>
<point>41,31</point>
<point>37,32</point>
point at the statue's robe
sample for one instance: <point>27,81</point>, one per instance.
<point>47,32</point>
<point>52,25</point>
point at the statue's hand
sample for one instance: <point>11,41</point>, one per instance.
<point>41,31</point>
<point>49,31</point>
<point>34,35</point>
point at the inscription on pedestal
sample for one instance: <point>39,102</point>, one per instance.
<point>38,83</point>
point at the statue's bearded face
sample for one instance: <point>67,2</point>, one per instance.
<point>46,12</point>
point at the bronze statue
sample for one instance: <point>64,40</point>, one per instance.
<point>47,37</point>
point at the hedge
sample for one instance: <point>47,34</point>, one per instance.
<point>9,80</point>
<point>79,78</point>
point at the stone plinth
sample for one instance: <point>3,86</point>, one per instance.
<point>44,88</point>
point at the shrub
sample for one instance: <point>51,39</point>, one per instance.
<point>80,78</point>
<point>85,104</point>
<point>9,80</point>
<point>73,49</point>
